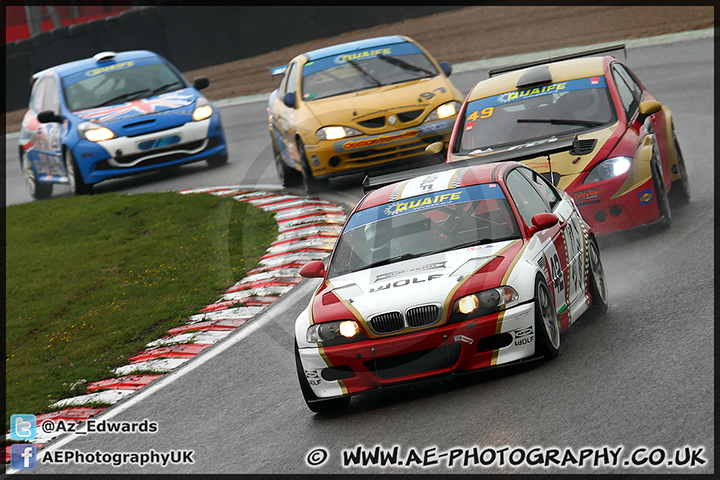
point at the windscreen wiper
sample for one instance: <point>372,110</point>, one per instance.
<point>387,261</point>
<point>124,96</point>
<point>163,88</point>
<point>403,64</point>
<point>377,82</point>
<point>561,121</point>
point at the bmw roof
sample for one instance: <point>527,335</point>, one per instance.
<point>99,59</point>
<point>357,45</point>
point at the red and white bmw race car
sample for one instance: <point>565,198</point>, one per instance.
<point>455,271</point>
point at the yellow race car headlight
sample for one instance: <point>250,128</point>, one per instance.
<point>607,169</point>
<point>446,110</point>
<point>336,132</point>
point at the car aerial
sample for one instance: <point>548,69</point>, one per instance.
<point>351,107</point>
<point>627,162</point>
<point>443,274</point>
<point>113,115</point>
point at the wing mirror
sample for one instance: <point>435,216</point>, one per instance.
<point>446,68</point>
<point>434,148</point>
<point>201,82</point>
<point>542,221</point>
<point>314,269</point>
<point>289,99</point>
<point>646,109</point>
<point>48,116</point>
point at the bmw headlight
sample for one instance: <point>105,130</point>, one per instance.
<point>486,302</point>
<point>202,111</point>
<point>445,110</point>
<point>607,169</point>
<point>336,132</point>
<point>329,331</point>
<point>94,132</point>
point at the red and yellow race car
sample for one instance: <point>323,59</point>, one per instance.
<point>352,107</point>
<point>626,162</point>
<point>443,274</point>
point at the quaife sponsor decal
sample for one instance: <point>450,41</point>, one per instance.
<point>364,54</point>
<point>117,66</point>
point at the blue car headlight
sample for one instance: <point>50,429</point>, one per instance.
<point>94,132</point>
<point>607,169</point>
<point>202,110</point>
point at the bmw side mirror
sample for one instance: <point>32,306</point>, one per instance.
<point>314,269</point>
<point>201,82</point>
<point>542,221</point>
<point>446,68</point>
<point>289,99</point>
<point>48,116</point>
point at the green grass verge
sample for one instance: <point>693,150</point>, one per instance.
<point>91,279</point>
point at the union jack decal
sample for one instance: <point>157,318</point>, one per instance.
<point>142,106</point>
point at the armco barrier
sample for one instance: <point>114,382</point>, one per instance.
<point>191,37</point>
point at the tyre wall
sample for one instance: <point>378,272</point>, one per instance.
<point>191,37</point>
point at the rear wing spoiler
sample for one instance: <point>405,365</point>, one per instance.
<point>275,71</point>
<point>525,153</point>
<point>586,53</point>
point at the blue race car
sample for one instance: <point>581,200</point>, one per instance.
<point>113,115</point>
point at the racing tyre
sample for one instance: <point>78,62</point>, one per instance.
<point>680,191</point>
<point>289,177</point>
<point>311,184</point>
<point>322,406</point>
<point>598,285</point>
<point>547,330</point>
<point>661,197</point>
<point>77,185</point>
<point>36,190</point>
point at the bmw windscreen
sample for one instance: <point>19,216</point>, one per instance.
<point>536,112</point>
<point>424,225</point>
<point>355,71</point>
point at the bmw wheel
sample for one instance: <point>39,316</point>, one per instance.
<point>35,189</point>
<point>321,406</point>
<point>547,330</point>
<point>77,185</point>
<point>598,285</point>
<point>680,191</point>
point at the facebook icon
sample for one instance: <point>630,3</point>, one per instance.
<point>22,456</point>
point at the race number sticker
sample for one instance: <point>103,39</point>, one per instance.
<point>574,249</point>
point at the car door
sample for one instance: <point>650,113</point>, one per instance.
<point>530,202</point>
<point>572,232</point>
<point>284,115</point>
<point>46,151</point>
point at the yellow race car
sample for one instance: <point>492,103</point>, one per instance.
<point>623,164</point>
<point>351,107</point>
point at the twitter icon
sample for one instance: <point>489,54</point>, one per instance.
<point>23,427</point>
